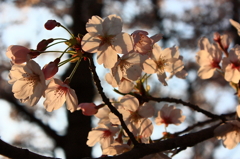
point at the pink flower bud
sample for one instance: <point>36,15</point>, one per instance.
<point>50,24</point>
<point>88,109</point>
<point>51,69</point>
<point>43,44</point>
<point>18,54</point>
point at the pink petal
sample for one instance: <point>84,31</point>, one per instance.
<point>149,66</point>
<point>123,43</point>
<point>106,56</point>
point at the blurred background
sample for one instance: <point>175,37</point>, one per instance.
<point>63,134</point>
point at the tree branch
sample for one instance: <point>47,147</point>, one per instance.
<point>192,106</point>
<point>187,140</point>
<point>9,97</point>
<point>19,153</point>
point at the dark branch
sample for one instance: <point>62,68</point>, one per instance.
<point>179,101</point>
<point>18,153</point>
<point>187,140</point>
<point>9,97</point>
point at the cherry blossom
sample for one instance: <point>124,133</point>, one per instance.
<point>88,109</point>
<point>231,65</point>
<point>57,93</point>
<point>28,82</point>
<point>134,115</point>
<point>169,115</point>
<point>142,43</point>
<point>229,133</point>
<point>208,58</point>
<point>163,61</point>
<point>18,54</point>
<point>104,134</point>
<point>106,38</point>
<point>127,66</point>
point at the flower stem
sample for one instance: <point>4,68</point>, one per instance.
<point>74,70</point>
<point>67,31</point>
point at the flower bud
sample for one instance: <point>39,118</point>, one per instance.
<point>51,24</point>
<point>51,69</point>
<point>18,54</point>
<point>88,109</point>
<point>43,44</point>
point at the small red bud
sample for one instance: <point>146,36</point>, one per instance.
<point>50,24</point>
<point>43,44</point>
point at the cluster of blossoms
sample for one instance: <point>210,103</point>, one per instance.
<point>131,60</point>
<point>210,58</point>
<point>126,56</point>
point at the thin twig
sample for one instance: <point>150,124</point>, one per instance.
<point>190,105</point>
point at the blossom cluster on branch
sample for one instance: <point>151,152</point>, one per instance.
<point>131,59</point>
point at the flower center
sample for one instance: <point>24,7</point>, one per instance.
<point>161,63</point>
<point>106,39</point>
<point>235,65</point>
<point>123,65</point>
<point>134,117</point>
<point>106,133</point>
<point>60,91</point>
<point>215,64</point>
<point>31,79</point>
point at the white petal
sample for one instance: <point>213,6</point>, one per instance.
<point>112,25</point>
<point>106,56</point>
<point>94,25</point>
<point>206,72</point>
<point>109,78</point>
<point>93,137</point>
<point>123,43</point>
<point>126,86</point>
<point>134,72</point>
<point>71,100</point>
<point>162,78</point>
<point>21,89</point>
<point>146,110</point>
<point>146,128</point>
<point>55,95</point>
<point>129,102</point>
<point>90,43</point>
<point>149,66</point>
